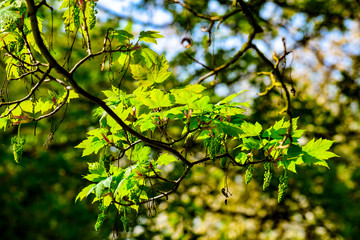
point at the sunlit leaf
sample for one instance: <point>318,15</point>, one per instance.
<point>85,192</point>
<point>149,36</point>
<point>165,159</point>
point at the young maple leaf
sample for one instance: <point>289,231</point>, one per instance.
<point>316,152</point>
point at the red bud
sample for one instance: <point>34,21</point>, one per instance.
<point>139,173</point>
<point>137,46</point>
<point>105,138</point>
<point>269,150</point>
<point>20,117</point>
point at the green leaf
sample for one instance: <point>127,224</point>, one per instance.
<point>3,122</point>
<point>241,158</point>
<point>159,73</point>
<point>118,175</point>
<point>147,76</point>
<point>30,37</point>
<point>123,112</point>
<point>150,57</point>
<point>297,134</point>
<point>97,168</point>
<point>251,130</point>
<point>114,94</point>
<point>149,36</point>
<point>63,93</point>
<point>94,177</point>
<point>293,157</point>
<point>107,200</point>
<point>126,183</point>
<point>102,186</point>
<point>91,145</point>
<point>187,94</point>
<point>85,192</point>
<point>316,152</point>
<point>141,153</point>
<point>146,123</point>
<point>278,130</point>
<point>251,143</point>
<point>123,58</point>
<point>228,128</point>
<point>11,68</point>
<point>185,97</point>
<point>165,159</point>
<point>230,98</point>
<point>158,99</point>
<point>228,110</point>
<point>290,164</point>
<point>203,104</point>
<point>139,72</point>
<point>43,105</point>
<point>123,36</point>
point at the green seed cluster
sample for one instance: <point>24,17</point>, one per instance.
<point>249,174</point>
<point>105,160</point>
<point>18,143</point>
<point>101,217</point>
<point>126,223</point>
<point>283,185</point>
<point>92,17</point>
<point>213,146</point>
<point>267,176</point>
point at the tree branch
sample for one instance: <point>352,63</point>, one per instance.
<point>207,17</point>
<point>57,108</point>
<point>31,91</point>
<point>69,77</point>
<point>236,57</point>
<point>250,17</point>
<point>279,76</point>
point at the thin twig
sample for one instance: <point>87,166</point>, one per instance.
<point>234,59</point>
<point>31,91</point>
<point>192,58</point>
<point>287,107</point>
<point>58,107</point>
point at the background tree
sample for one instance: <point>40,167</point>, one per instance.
<point>333,115</point>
